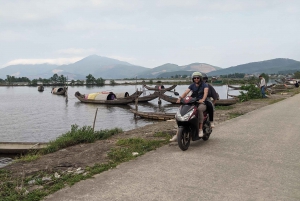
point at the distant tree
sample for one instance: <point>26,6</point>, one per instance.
<point>72,82</point>
<point>62,79</point>
<point>184,76</point>
<point>100,81</point>
<point>151,81</point>
<point>112,82</point>
<point>54,78</point>
<point>34,82</point>
<point>90,79</point>
<point>297,75</point>
<point>1,80</point>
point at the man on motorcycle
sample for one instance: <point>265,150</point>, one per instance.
<point>200,90</point>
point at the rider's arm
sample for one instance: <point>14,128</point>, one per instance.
<point>183,95</point>
<point>204,95</point>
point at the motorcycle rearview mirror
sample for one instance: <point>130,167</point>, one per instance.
<point>176,93</point>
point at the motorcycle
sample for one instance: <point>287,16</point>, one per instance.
<point>187,121</point>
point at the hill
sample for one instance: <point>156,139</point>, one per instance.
<point>272,66</point>
<point>168,70</point>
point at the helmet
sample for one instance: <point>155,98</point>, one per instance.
<point>196,74</point>
<point>205,78</point>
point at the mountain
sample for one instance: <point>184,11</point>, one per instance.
<point>108,68</point>
<point>272,66</point>
<point>168,70</point>
<point>26,70</point>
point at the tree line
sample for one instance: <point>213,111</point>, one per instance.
<point>55,79</point>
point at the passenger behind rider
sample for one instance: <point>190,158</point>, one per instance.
<point>210,104</point>
<point>200,91</point>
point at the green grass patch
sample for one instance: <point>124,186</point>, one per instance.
<point>222,107</point>
<point>77,136</point>
<point>234,115</point>
<point>275,101</point>
<point>12,188</point>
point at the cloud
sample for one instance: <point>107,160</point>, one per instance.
<point>58,61</point>
<point>78,51</point>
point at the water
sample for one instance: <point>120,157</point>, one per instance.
<point>27,115</point>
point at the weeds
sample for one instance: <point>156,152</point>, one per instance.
<point>12,188</point>
<point>221,107</point>
<point>234,115</point>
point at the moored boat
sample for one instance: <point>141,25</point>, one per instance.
<point>223,102</point>
<point>154,115</point>
<point>59,90</point>
<point>108,98</point>
<point>41,88</point>
<point>20,147</point>
<point>149,97</point>
<point>160,87</point>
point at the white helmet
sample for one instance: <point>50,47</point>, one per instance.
<point>196,74</point>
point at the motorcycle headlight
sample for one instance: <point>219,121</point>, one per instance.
<point>184,117</point>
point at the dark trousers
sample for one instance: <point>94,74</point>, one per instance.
<point>210,110</point>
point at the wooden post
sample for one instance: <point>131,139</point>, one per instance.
<point>95,119</point>
<point>136,102</point>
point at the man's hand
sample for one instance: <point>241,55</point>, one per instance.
<point>201,101</point>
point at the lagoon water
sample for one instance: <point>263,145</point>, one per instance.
<point>27,115</point>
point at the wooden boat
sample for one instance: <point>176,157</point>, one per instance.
<point>41,88</point>
<point>235,88</point>
<point>20,147</point>
<point>223,102</point>
<point>154,115</point>
<point>108,98</point>
<point>149,97</point>
<point>160,87</point>
<point>239,87</point>
<point>59,90</point>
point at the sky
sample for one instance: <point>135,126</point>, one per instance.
<point>147,33</point>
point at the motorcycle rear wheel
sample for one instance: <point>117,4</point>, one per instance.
<point>207,131</point>
<point>183,138</point>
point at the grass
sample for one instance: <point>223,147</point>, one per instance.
<point>275,101</point>
<point>234,115</point>
<point>221,107</point>
<point>17,188</point>
<point>75,136</point>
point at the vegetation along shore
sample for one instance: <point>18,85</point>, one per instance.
<point>81,153</point>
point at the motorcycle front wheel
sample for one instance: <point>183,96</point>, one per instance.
<point>183,138</point>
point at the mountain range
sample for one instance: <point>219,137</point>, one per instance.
<point>108,68</point>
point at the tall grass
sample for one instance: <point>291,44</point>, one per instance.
<point>78,135</point>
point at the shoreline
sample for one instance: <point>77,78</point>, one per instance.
<point>82,161</point>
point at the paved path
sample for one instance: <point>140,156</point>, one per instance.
<point>252,157</point>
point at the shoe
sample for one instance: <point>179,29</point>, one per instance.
<point>212,125</point>
<point>174,138</point>
<point>200,133</point>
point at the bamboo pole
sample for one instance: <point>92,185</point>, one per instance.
<point>95,119</point>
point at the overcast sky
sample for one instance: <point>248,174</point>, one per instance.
<point>149,33</point>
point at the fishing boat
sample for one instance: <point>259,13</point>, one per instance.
<point>160,87</point>
<point>41,88</point>
<point>239,87</point>
<point>223,102</point>
<point>154,115</point>
<point>149,97</point>
<point>59,90</point>
<point>20,147</point>
<point>108,98</point>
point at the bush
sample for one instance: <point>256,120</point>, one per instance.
<point>252,92</point>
